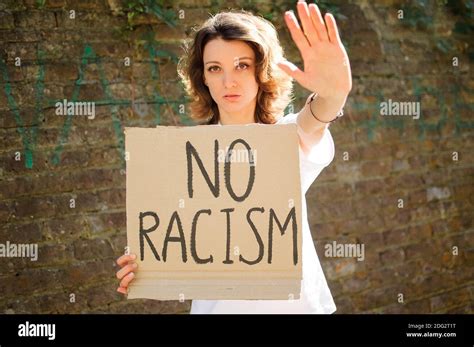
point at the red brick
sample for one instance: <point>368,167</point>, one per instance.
<point>92,249</point>
<point>446,300</point>
<point>392,256</point>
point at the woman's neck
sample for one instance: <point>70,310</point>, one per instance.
<point>236,120</point>
<point>244,116</point>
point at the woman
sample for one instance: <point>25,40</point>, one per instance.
<point>236,74</point>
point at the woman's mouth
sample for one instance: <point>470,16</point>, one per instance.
<point>232,97</point>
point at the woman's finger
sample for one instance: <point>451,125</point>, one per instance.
<point>318,22</point>
<point>292,70</point>
<point>308,27</point>
<point>124,259</point>
<point>333,33</point>
<point>125,270</point>
<point>126,280</point>
<point>122,290</point>
<point>296,32</point>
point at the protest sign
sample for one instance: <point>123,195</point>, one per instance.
<point>214,212</point>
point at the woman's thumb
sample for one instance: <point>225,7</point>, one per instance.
<point>290,69</point>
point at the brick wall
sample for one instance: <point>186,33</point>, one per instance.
<point>402,187</point>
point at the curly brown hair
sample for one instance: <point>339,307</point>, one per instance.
<point>275,86</point>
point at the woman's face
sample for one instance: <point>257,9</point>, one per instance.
<point>229,72</point>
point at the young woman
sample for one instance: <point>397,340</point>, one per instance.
<point>236,74</point>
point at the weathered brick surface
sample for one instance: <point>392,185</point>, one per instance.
<point>422,250</point>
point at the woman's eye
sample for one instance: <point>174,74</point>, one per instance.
<point>215,68</point>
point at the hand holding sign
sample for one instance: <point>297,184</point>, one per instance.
<point>126,273</point>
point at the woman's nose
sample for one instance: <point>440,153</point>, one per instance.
<point>229,80</point>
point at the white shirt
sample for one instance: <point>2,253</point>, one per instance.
<point>315,294</point>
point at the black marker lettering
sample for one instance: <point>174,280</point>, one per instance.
<point>144,232</point>
<point>257,235</point>
<point>193,239</point>
<point>179,239</point>
<point>291,215</point>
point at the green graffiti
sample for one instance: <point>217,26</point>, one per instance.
<point>28,137</point>
<point>87,57</point>
<point>377,121</point>
<point>155,55</point>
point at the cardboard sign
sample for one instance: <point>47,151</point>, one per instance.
<point>214,212</point>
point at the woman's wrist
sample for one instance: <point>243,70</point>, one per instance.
<point>325,109</point>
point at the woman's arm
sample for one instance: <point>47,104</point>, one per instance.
<point>310,130</point>
<point>326,72</point>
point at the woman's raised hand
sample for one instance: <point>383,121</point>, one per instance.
<point>326,65</point>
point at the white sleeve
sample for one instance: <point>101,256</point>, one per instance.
<point>320,155</point>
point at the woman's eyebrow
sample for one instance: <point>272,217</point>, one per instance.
<point>217,62</point>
